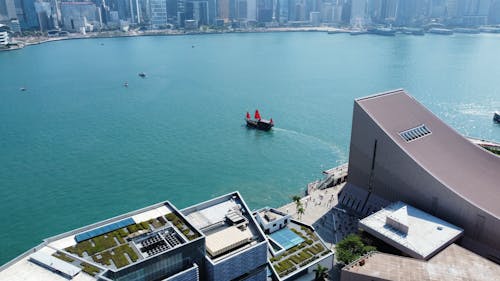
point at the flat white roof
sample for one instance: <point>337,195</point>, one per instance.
<point>54,263</point>
<point>226,240</point>
<point>25,270</point>
<point>426,233</point>
<point>212,214</point>
<point>151,214</point>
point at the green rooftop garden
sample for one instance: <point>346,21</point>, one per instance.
<point>63,257</point>
<point>299,255</point>
<point>89,269</point>
<point>181,225</point>
<point>113,245</point>
<point>117,256</point>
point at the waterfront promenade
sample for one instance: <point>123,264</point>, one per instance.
<point>35,40</point>
<point>323,213</point>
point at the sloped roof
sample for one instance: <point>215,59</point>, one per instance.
<point>462,166</point>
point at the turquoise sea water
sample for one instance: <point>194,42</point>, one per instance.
<point>78,147</point>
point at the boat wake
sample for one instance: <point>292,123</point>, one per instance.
<point>332,147</point>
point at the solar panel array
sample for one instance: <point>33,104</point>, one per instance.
<point>159,243</point>
<point>103,229</point>
<point>415,133</point>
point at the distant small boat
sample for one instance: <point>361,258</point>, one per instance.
<point>442,31</point>
<point>22,89</point>
<point>467,30</point>
<point>259,123</point>
<point>335,31</point>
<point>125,84</point>
<point>384,31</point>
<point>142,74</point>
<point>358,32</point>
<point>496,116</point>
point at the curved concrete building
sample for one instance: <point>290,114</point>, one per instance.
<point>401,151</point>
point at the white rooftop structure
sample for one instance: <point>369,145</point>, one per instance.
<point>25,269</point>
<point>414,232</point>
<point>226,240</point>
<point>44,259</point>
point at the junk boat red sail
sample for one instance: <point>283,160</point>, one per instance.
<point>258,122</point>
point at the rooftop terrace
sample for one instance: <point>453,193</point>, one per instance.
<point>114,244</point>
<point>227,225</point>
<point>294,247</point>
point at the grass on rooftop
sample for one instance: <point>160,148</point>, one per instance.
<point>63,257</point>
<point>182,226</point>
<point>89,269</point>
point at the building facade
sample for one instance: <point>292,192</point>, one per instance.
<point>399,150</point>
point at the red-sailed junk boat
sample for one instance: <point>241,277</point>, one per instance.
<point>258,122</point>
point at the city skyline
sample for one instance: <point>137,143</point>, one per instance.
<point>88,16</point>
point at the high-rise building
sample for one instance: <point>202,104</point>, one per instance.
<point>223,10</point>
<point>44,13</point>
<point>172,11</point>
<point>9,9</point>
<point>358,13</point>
<point>79,16</point>
<point>159,16</point>
<point>198,11</point>
<point>236,248</point>
<point>283,11</point>
<point>264,10</point>
<point>494,16</point>
<point>251,10</point>
<point>476,12</point>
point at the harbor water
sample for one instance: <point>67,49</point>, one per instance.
<point>77,146</point>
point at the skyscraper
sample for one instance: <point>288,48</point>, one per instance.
<point>358,13</point>
<point>158,10</point>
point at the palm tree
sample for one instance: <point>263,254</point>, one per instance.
<point>296,199</point>
<point>300,211</point>
<point>321,273</point>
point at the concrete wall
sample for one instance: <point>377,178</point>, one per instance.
<point>396,176</point>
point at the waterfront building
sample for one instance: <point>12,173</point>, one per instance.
<point>494,16</point>
<point>292,243</point>
<point>154,243</point>
<point>238,10</point>
<point>8,9</point>
<point>223,10</point>
<point>198,11</point>
<point>236,247</point>
<point>315,18</point>
<point>15,26</point>
<point>79,16</point>
<point>159,17</point>
<point>264,10</point>
<point>251,10</point>
<point>26,14</point>
<point>283,11</point>
<point>358,15</point>
<point>44,13</point>
<point>4,38</point>
<point>400,151</point>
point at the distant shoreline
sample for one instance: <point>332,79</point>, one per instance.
<point>29,41</point>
